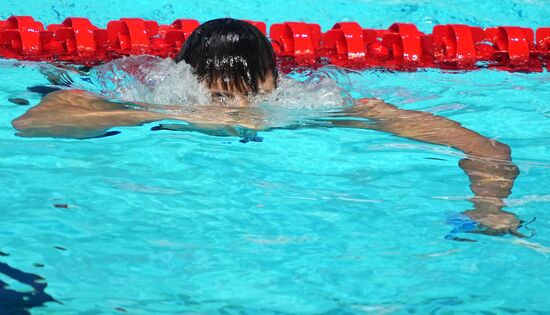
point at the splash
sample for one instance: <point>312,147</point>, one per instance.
<point>323,89</point>
<point>303,97</point>
<point>300,97</point>
<point>150,80</point>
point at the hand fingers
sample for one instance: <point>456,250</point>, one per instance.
<point>515,232</point>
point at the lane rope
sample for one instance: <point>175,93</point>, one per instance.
<point>401,47</point>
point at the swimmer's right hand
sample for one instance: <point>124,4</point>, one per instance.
<point>495,222</point>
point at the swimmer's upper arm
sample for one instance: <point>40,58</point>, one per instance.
<point>425,127</point>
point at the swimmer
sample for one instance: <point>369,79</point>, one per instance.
<point>235,61</point>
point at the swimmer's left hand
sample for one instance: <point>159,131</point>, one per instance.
<point>495,222</point>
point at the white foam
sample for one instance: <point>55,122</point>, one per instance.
<point>318,92</point>
<point>297,102</point>
<point>151,80</point>
<point>163,82</point>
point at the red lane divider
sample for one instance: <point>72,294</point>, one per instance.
<point>21,35</point>
<point>543,38</point>
<point>295,38</point>
<point>459,46</point>
<point>404,42</point>
<point>171,37</point>
<point>543,45</point>
<point>345,40</point>
<point>513,47</point>
<point>76,37</point>
<point>400,47</point>
<point>259,25</point>
<point>131,36</point>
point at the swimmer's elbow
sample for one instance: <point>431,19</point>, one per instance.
<point>26,124</point>
<point>488,148</point>
<point>29,127</point>
<point>502,151</point>
<point>24,127</point>
<point>20,123</point>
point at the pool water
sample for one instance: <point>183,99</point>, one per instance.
<point>308,221</point>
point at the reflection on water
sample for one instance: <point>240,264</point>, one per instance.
<point>14,302</point>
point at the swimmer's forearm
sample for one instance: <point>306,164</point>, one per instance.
<point>491,181</point>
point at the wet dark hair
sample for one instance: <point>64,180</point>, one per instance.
<point>232,52</point>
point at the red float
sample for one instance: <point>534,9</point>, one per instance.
<point>76,37</point>
<point>404,43</point>
<point>543,44</point>
<point>131,36</point>
<point>454,45</point>
<point>21,36</point>
<point>259,25</point>
<point>513,47</point>
<point>295,39</point>
<point>171,37</point>
<point>345,40</point>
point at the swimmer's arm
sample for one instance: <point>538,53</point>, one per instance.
<point>426,127</point>
<point>488,163</point>
<point>79,114</point>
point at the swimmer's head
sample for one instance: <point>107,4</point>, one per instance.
<point>232,57</point>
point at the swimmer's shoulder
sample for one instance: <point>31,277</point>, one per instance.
<point>83,100</point>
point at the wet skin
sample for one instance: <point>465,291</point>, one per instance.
<point>488,164</point>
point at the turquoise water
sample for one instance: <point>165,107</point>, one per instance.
<point>309,221</point>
